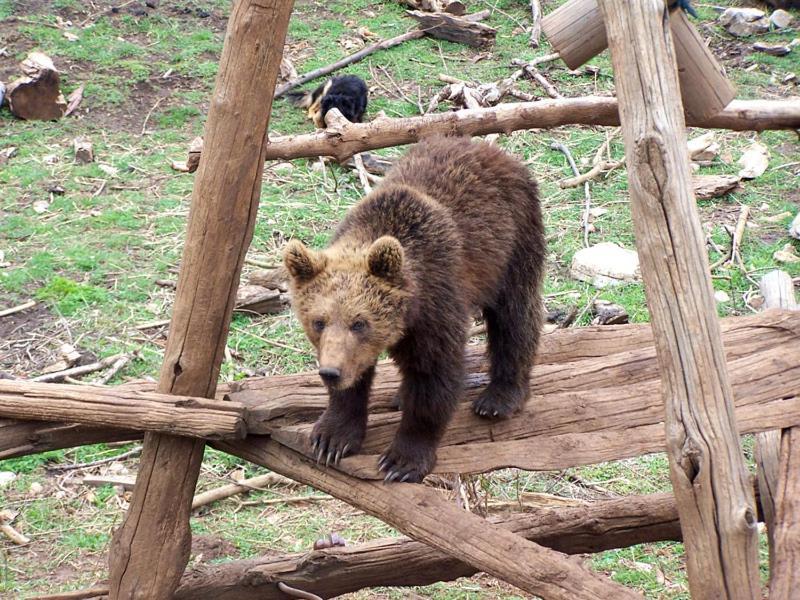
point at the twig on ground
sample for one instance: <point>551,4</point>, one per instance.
<point>82,370</point>
<point>253,484</point>
<point>149,114</point>
<point>362,173</point>
<point>736,240</point>
<point>536,23</point>
<point>153,324</point>
<point>400,91</point>
<point>12,534</point>
<point>348,60</point>
<point>262,264</point>
<point>295,593</point>
<point>588,205</point>
<point>269,341</point>
<point>115,368</point>
<point>74,467</point>
<point>15,309</point>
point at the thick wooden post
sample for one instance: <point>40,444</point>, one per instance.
<point>715,501</point>
<point>151,548</point>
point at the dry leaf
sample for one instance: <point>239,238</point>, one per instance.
<point>754,161</point>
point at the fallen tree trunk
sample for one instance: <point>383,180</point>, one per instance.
<point>110,407</point>
<point>36,95</point>
<point>348,139</point>
<point>426,515</point>
<point>404,562</point>
<point>445,26</point>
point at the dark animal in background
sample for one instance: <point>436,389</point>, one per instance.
<point>454,225</point>
<point>348,93</point>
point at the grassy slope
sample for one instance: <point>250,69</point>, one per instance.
<point>92,256</point>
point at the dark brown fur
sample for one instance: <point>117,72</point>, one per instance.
<point>455,225</point>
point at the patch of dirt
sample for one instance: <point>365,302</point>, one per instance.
<point>206,548</point>
<point>19,354</point>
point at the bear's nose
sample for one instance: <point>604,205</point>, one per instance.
<point>329,374</point>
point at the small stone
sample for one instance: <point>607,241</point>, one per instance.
<point>744,21</point>
<point>754,161</point>
<point>608,313</point>
<point>780,19</point>
<point>606,264</point>
<point>283,167</point>
<point>108,170</point>
<point>721,296</point>
<point>6,477</point>
<point>787,254</point>
<point>40,206</point>
<point>772,49</point>
<point>789,78</point>
<point>36,488</point>
<point>597,212</point>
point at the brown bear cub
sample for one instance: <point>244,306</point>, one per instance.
<point>455,225</point>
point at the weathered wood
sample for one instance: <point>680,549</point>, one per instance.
<point>708,473</point>
<point>261,300</point>
<point>36,95</point>
<point>785,579</point>
<point>713,186</point>
<point>22,438</point>
<point>705,90</point>
<point>444,26</point>
<point>231,489</point>
<point>151,548</point>
<point>777,289</point>
<point>599,526</point>
<point>348,139</point>
<point>115,407</point>
<point>426,515</point>
<point>454,7</point>
<point>576,31</point>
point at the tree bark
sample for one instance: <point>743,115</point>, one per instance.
<point>116,408</point>
<point>785,579</point>
<point>707,469</point>
<point>427,516</point>
<point>348,139</point>
<point>151,548</point>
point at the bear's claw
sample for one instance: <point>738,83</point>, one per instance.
<point>500,401</point>
<point>333,442</point>
<point>409,465</point>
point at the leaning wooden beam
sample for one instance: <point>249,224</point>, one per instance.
<point>344,141</point>
<point>707,468</point>
<point>22,438</point>
<point>599,526</point>
<point>150,550</point>
<point>427,516</point>
<point>116,408</point>
<point>777,289</point>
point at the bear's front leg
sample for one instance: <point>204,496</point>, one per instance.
<point>340,430</point>
<point>428,400</point>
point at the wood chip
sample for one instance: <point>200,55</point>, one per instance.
<point>713,186</point>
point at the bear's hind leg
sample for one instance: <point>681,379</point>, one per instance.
<point>513,326</point>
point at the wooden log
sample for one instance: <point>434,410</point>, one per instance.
<point>706,187</point>
<point>261,300</point>
<point>774,470</point>
<point>453,7</point>
<point>708,473</point>
<point>150,550</point>
<point>444,26</point>
<point>427,516</point>
<point>705,89</point>
<point>348,139</point>
<point>576,31</point>
<point>231,489</point>
<point>785,579</point>
<point>599,526</point>
<point>36,95</point>
<point>117,408</point>
<point>22,438</point>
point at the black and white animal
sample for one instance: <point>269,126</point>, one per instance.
<point>348,93</point>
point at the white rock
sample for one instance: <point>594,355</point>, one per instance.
<point>780,18</point>
<point>787,255</point>
<point>754,161</point>
<point>744,21</point>
<point>794,228</point>
<point>6,477</point>
<point>36,488</point>
<point>721,296</point>
<point>597,212</point>
<point>606,264</point>
<point>40,206</point>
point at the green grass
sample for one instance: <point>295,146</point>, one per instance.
<point>91,258</point>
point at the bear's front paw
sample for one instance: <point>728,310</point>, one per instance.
<point>334,438</point>
<point>500,401</point>
<point>408,459</point>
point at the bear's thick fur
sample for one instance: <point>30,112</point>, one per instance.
<point>455,225</point>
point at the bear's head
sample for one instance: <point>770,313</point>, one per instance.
<point>352,301</point>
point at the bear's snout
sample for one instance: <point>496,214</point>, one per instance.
<point>330,375</point>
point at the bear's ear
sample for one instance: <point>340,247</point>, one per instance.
<point>303,264</point>
<point>385,259</point>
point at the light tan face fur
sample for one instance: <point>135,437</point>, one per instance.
<point>352,303</point>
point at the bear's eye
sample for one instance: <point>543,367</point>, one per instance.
<point>358,326</point>
<point>318,325</point>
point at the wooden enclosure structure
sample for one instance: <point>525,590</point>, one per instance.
<point>597,391</point>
